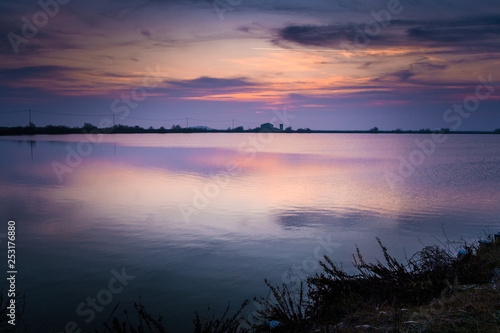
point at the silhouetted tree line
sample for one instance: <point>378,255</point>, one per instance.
<point>32,129</point>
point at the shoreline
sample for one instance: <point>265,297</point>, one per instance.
<point>68,131</point>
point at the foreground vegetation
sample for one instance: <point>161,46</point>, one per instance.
<point>432,291</point>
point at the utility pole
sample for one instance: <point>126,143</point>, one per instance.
<point>114,120</point>
<point>233,123</point>
<point>29,112</point>
<point>187,122</point>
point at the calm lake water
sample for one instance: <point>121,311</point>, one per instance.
<point>198,220</point>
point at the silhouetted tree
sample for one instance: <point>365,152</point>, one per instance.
<point>288,129</point>
<point>89,127</point>
<point>267,127</point>
<point>373,130</point>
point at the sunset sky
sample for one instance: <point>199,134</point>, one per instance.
<point>328,62</point>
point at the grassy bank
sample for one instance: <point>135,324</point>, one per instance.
<point>432,291</point>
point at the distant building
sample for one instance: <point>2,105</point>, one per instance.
<point>281,127</point>
<point>267,127</point>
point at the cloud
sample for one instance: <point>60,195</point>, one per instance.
<point>313,35</point>
<point>422,68</point>
<point>39,72</point>
<point>64,80</point>
<point>146,33</point>
<point>208,87</point>
<point>212,83</point>
<point>404,75</point>
<point>481,32</point>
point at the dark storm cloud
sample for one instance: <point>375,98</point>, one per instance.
<point>328,36</point>
<point>480,33</point>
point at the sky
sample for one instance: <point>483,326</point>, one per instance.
<point>329,64</point>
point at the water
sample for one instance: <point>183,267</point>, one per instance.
<point>198,220</point>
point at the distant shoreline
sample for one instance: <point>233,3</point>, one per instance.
<point>120,129</point>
